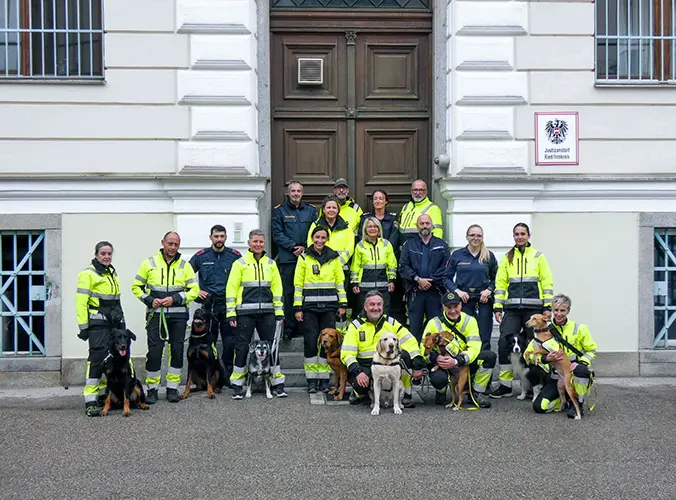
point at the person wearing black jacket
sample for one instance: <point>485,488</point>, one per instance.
<point>387,219</point>
<point>291,222</point>
<point>422,267</point>
<point>471,275</point>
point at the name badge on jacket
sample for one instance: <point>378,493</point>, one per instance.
<point>315,268</point>
<point>362,336</point>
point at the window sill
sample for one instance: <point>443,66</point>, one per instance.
<point>52,81</point>
<point>652,84</point>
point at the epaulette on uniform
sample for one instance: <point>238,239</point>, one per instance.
<point>200,252</point>
<point>277,206</point>
<point>235,251</point>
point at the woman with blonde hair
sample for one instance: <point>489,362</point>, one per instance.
<point>374,266</point>
<point>471,275</point>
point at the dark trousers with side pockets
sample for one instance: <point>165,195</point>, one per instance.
<point>287,270</point>
<point>315,364</point>
<point>176,324</point>
<point>99,338</point>
<point>264,324</point>
<point>422,307</point>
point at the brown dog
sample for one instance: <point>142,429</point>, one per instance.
<point>331,339</point>
<point>540,326</point>
<point>459,374</point>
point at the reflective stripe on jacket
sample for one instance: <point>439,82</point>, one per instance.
<point>254,287</point>
<point>318,281</point>
<point>576,334</point>
<point>408,218</point>
<point>98,292</point>
<point>373,265</point>
<point>466,325</point>
<point>156,279</point>
<point>526,282</point>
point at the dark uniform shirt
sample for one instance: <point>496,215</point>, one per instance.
<point>466,273</point>
<point>214,268</point>
<point>425,261</point>
<point>290,225</point>
<point>390,228</point>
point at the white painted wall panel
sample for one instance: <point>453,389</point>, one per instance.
<point>146,50</point>
<point>123,86</point>
<point>95,157</point>
<point>603,122</point>
<point>483,83</point>
<point>577,87</point>
<point>489,14</point>
<point>93,122</point>
<point>194,229</point>
<point>479,118</point>
<point>229,83</point>
<point>241,12</point>
<point>224,119</point>
<point>555,52</point>
<point>497,228</point>
<point>223,48</point>
<point>491,154</point>
<point>222,154</point>
<point>139,15</point>
<point>561,18</point>
<point>479,48</point>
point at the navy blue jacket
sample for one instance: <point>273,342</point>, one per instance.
<point>466,273</point>
<point>425,261</point>
<point>390,228</point>
<point>213,269</point>
<point>290,225</point>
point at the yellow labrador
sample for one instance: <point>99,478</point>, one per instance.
<point>386,372</point>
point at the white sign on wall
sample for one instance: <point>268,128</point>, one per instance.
<point>557,138</point>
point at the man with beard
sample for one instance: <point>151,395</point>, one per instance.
<point>350,211</point>
<point>291,222</point>
<point>213,266</point>
<point>422,266</point>
<point>419,204</point>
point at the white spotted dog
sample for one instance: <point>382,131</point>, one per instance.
<point>530,382</point>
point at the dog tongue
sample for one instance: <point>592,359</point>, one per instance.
<point>123,352</point>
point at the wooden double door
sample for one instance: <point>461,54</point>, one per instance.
<point>369,119</point>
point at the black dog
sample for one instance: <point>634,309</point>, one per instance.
<point>204,369</point>
<point>122,386</point>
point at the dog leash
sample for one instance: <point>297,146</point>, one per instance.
<point>163,323</point>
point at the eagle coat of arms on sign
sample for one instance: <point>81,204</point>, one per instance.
<point>557,138</point>
<point>556,131</point>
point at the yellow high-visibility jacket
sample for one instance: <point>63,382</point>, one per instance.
<point>341,238</point>
<point>98,294</point>
<point>408,218</point>
<point>318,281</point>
<point>468,343</point>
<point>254,287</point>
<point>526,282</point>
<point>360,341</point>
<point>156,279</point>
<point>576,334</point>
<point>373,265</point>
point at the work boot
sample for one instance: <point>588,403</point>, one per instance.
<point>172,396</point>
<point>501,392</point>
<point>279,391</point>
<point>407,401</point>
<point>101,400</point>
<point>354,398</point>
<point>571,410</point>
<point>481,400</point>
<point>312,386</point>
<point>323,385</point>
<point>237,392</point>
<point>92,409</point>
<point>151,397</point>
<point>440,398</point>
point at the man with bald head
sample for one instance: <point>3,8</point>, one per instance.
<point>421,266</point>
<point>166,284</point>
<point>420,204</point>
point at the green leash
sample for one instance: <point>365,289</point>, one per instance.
<point>163,323</point>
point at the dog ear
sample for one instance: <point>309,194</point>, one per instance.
<point>131,334</point>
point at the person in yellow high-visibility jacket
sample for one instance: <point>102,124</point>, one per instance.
<point>253,300</point>
<point>420,204</point>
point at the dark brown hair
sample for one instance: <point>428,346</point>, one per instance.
<point>510,254</point>
<point>102,244</point>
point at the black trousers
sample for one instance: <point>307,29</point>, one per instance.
<point>405,357</point>
<point>221,326</point>
<point>514,323</point>
<point>263,323</point>
<point>176,337</point>
<point>99,338</point>
<point>422,307</point>
<point>440,378</point>
<point>484,316</point>
<point>313,323</point>
<point>287,270</point>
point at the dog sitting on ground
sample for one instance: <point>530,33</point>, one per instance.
<point>545,344</point>
<point>122,386</point>
<point>259,367</point>
<point>204,369</point>
<point>332,340</point>
<point>522,370</point>
<point>446,344</point>
<point>386,373</point>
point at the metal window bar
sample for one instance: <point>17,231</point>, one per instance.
<point>14,292</point>
<point>664,305</point>
<point>38,45</point>
<point>635,41</point>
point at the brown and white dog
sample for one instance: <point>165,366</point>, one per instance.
<point>386,373</point>
<point>332,340</point>
<point>540,326</point>
<point>445,342</point>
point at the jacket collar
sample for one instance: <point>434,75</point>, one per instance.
<point>177,257</point>
<point>294,207</point>
<point>327,255</point>
<point>426,199</point>
<point>251,254</point>
<point>101,269</point>
<point>338,226</point>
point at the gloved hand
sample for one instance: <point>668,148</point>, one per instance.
<point>84,334</point>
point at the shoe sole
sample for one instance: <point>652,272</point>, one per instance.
<point>282,395</point>
<point>500,396</point>
<point>237,398</point>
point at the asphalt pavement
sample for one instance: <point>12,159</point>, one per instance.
<point>289,448</point>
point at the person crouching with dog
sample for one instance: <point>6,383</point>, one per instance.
<point>319,295</point>
<point>359,344</point>
<point>253,300</point>
<point>465,329</point>
<point>166,284</point>
<point>576,343</point>
<point>99,310</point>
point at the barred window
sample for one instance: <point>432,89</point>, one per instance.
<point>635,41</point>
<point>51,39</point>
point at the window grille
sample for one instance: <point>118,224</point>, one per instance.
<point>51,39</point>
<point>635,41</point>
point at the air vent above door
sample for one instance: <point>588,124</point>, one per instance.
<point>310,71</point>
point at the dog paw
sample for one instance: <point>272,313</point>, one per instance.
<point>269,396</point>
<point>397,410</point>
<point>183,396</point>
<point>577,417</point>
<point>450,405</point>
<point>104,413</point>
<point>375,412</point>
<point>126,413</point>
<point>338,398</point>
<point>211,395</point>
<point>331,392</point>
<point>521,396</point>
<point>144,406</point>
<point>247,395</point>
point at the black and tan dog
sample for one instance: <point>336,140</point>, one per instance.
<point>122,386</point>
<point>204,369</point>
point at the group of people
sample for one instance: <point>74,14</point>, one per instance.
<point>340,267</point>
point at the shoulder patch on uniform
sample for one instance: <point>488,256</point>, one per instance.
<point>355,205</point>
<point>311,205</point>
<point>200,252</point>
<point>391,320</point>
<point>386,242</point>
<point>235,251</point>
<point>277,206</point>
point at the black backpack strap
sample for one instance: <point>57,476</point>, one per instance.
<point>558,335</point>
<point>455,331</point>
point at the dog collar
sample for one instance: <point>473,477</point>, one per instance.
<point>199,336</point>
<point>541,330</point>
<point>394,362</point>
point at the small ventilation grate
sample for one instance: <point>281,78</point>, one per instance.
<point>310,71</point>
